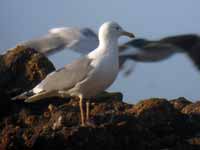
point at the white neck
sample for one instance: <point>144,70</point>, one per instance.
<point>107,46</point>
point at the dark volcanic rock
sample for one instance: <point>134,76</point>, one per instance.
<point>193,111</point>
<point>154,111</point>
<point>21,69</point>
<point>161,117</point>
<point>153,107</point>
<point>180,103</point>
<point>193,108</point>
<point>150,124</point>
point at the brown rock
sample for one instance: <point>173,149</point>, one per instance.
<point>192,109</point>
<point>194,141</point>
<point>154,110</point>
<point>180,103</point>
<point>21,69</point>
<point>150,124</point>
<point>161,118</point>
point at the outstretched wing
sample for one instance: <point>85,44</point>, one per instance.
<point>151,53</point>
<point>184,41</point>
<point>47,44</point>
<point>81,40</point>
<point>194,54</point>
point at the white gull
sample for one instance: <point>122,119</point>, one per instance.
<point>87,76</point>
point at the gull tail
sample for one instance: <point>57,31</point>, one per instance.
<point>23,96</point>
<point>42,95</point>
<point>31,97</point>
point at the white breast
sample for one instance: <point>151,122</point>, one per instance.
<point>106,70</point>
<point>104,73</point>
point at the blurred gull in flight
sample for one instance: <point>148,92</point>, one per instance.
<point>138,50</point>
<point>86,76</point>
<point>142,50</point>
<point>82,40</point>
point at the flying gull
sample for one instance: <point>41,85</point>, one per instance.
<point>81,40</point>
<point>142,50</point>
<point>86,76</point>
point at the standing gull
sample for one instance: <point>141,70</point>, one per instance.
<point>87,76</point>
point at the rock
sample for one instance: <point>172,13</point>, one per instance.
<point>180,103</point>
<point>193,108</point>
<point>195,141</point>
<point>193,111</point>
<point>150,124</point>
<point>5,105</point>
<point>163,120</point>
<point>21,69</point>
<point>154,110</point>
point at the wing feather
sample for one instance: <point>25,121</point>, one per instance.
<point>66,77</point>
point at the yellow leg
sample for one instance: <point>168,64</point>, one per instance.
<point>81,110</point>
<point>87,111</point>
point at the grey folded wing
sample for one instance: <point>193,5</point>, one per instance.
<point>66,77</point>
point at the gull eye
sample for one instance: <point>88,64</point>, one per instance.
<point>117,28</point>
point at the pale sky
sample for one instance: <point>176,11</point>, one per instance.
<point>172,78</point>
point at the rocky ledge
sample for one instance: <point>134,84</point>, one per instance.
<point>155,123</point>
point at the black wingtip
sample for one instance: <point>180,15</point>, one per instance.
<point>23,96</point>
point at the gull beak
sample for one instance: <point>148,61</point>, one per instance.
<point>131,35</point>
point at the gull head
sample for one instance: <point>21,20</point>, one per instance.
<point>112,30</point>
